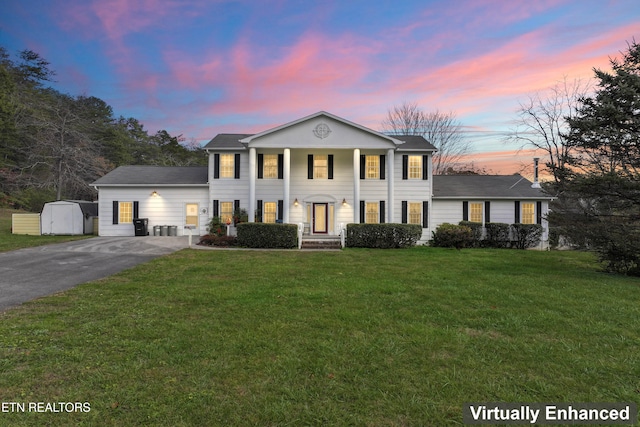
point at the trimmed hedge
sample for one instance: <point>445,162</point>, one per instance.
<point>382,236</point>
<point>452,236</point>
<point>218,241</point>
<point>477,231</point>
<point>267,236</point>
<point>498,235</point>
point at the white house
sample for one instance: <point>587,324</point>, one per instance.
<point>321,171</point>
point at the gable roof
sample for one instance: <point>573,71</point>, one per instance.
<point>154,175</point>
<point>414,143</point>
<point>229,141</point>
<point>485,187</point>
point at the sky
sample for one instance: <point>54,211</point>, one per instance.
<point>197,68</point>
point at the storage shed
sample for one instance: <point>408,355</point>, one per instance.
<point>68,217</point>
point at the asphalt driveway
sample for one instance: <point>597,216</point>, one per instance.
<point>31,273</point>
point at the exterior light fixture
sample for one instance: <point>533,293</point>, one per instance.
<point>154,193</point>
<point>344,202</point>
<point>295,202</point>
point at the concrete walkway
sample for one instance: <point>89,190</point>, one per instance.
<point>31,273</point>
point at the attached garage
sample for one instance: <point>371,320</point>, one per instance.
<point>68,217</point>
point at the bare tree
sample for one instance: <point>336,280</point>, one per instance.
<point>441,129</point>
<point>542,122</point>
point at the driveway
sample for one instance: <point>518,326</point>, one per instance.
<point>31,273</point>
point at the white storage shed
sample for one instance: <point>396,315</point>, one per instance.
<point>68,217</point>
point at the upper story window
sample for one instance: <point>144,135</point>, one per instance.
<point>227,166</point>
<point>415,167</point>
<point>320,166</point>
<point>270,166</point>
<point>372,167</point>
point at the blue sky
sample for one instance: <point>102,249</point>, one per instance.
<point>199,68</point>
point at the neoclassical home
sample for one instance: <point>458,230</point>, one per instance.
<point>320,172</point>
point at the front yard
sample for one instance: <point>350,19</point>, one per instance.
<point>356,337</point>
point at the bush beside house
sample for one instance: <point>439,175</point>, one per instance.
<point>492,235</point>
<point>382,236</point>
<point>267,236</point>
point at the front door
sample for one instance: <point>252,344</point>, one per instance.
<point>191,217</point>
<point>320,218</point>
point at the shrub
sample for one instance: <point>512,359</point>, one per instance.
<point>497,235</point>
<point>273,236</point>
<point>217,227</point>
<point>452,236</point>
<point>526,235</point>
<point>218,241</point>
<point>477,231</point>
<point>382,236</point>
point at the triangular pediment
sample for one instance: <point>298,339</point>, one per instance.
<point>321,130</point>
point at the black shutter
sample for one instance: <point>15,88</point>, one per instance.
<point>216,166</point>
<point>539,213</point>
<point>136,209</point>
<point>516,215</point>
<point>382,211</point>
<point>280,166</point>
<point>216,209</point>
<point>487,212</point>
<point>425,214</point>
<point>362,206</point>
<point>310,166</point>
<point>465,211</point>
<point>404,211</point>
<point>260,166</point>
<point>280,209</point>
<point>383,165</point>
<point>259,209</point>
<point>236,165</point>
<point>330,165</point>
<point>236,205</point>
<point>405,167</point>
<point>116,214</point>
<point>425,167</point>
<point>363,166</point>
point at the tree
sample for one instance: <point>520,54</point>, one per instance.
<point>602,187</point>
<point>542,123</point>
<point>441,129</point>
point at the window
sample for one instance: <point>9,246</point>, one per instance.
<point>372,167</point>
<point>415,213</point>
<point>269,215</point>
<point>415,167</point>
<point>226,212</point>
<point>371,213</point>
<point>475,212</point>
<point>191,214</point>
<point>270,166</point>
<point>227,169</point>
<point>320,166</point>
<point>126,212</point>
<point>528,213</point>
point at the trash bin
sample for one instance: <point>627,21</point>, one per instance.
<point>164,230</point>
<point>173,230</point>
<point>140,226</point>
<point>156,230</point>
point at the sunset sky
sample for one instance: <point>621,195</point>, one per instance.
<point>199,68</point>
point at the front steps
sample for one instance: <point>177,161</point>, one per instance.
<point>321,242</point>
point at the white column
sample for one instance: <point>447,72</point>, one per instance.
<point>252,184</point>
<point>287,182</point>
<point>210,182</point>
<point>390,186</point>
<point>356,185</point>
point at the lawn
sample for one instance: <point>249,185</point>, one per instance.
<point>9,241</point>
<point>354,337</point>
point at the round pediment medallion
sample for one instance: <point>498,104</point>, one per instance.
<point>322,130</point>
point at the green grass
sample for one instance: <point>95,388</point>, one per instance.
<point>357,337</point>
<point>10,242</point>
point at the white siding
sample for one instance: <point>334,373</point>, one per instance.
<point>168,208</point>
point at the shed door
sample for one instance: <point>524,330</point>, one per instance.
<point>62,219</point>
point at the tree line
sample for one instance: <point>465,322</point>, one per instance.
<point>53,145</point>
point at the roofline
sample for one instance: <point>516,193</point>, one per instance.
<point>476,197</point>
<point>243,148</point>
<point>318,114</point>
<point>150,185</point>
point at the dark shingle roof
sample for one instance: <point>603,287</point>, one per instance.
<point>485,187</point>
<point>227,140</point>
<point>155,175</point>
<point>413,142</point>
